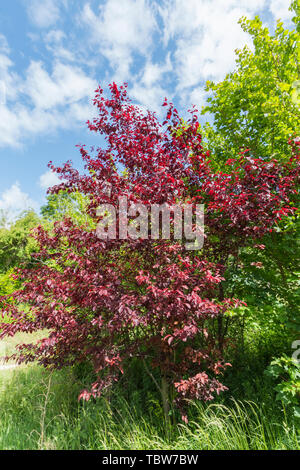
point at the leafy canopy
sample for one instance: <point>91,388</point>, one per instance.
<point>257,105</point>
<point>111,300</point>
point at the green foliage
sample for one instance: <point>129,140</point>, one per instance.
<point>66,204</point>
<point>15,244</point>
<point>7,284</point>
<point>287,371</point>
<point>257,105</point>
<point>266,277</point>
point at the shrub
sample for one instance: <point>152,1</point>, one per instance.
<point>114,299</point>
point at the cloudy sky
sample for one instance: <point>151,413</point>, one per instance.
<point>53,53</point>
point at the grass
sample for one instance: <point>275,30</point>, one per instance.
<point>39,410</point>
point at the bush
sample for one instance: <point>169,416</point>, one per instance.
<point>286,371</point>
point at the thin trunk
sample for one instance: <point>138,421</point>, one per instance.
<point>165,398</point>
<point>164,392</point>
<point>220,321</point>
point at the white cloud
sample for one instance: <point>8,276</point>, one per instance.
<point>148,97</point>
<point>206,34</point>
<point>44,13</point>
<point>198,38</point>
<point>3,44</point>
<point>149,87</point>
<point>8,79</point>
<point>49,179</point>
<point>120,29</point>
<point>153,72</point>
<point>67,84</point>
<point>9,128</point>
<point>54,42</point>
<point>195,97</point>
<point>280,9</point>
<point>42,102</point>
<point>14,200</point>
<point>205,41</point>
<point>55,36</point>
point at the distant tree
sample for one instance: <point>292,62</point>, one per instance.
<point>64,204</point>
<point>16,245</point>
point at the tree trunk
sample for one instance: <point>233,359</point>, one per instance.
<point>220,321</point>
<point>165,398</point>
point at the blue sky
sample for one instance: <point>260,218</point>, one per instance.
<point>53,54</point>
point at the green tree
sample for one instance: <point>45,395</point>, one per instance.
<point>64,204</point>
<point>257,105</point>
<point>16,245</point>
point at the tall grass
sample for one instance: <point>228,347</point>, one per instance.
<point>39,410</point>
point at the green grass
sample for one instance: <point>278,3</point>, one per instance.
<point>39,410</point>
